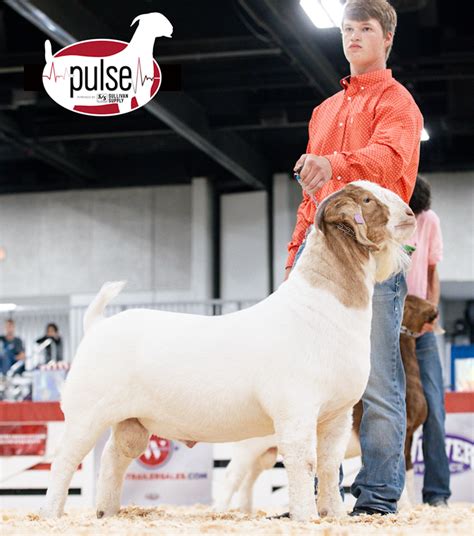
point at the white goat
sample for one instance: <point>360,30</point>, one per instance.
<point>138,54</point>
<point>276,367</point>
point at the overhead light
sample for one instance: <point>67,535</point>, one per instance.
<point>6,307</point>
<point>424,135</point>
<point>323,13</point>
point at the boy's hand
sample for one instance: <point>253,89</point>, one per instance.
<point>315,172</point>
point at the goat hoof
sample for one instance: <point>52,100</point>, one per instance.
<point>100,514</point>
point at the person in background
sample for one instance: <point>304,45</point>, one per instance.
<point>11,347</point>
<point>370,130</point>
<point>54,351</point>
<point>423,281</point>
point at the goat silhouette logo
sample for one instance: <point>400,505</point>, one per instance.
<point>157,453</point>
<point>103,77</point>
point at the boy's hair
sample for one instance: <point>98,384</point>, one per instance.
<point>380,10</point>
<point>421,196</point>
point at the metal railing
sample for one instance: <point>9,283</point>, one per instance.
<point>31,321</point>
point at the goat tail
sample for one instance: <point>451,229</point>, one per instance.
<point>48,52</point>
<point>96,308</point>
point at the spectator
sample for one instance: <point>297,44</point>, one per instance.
<point>423,281</point>
<point>11,347</point>
<point>54,351</point>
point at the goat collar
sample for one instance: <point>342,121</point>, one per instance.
<point>409,333</point>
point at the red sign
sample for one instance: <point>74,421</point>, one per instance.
<point>23,439</point>
<point>158,452</point>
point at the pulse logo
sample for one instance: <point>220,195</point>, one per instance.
<point>105,76</point>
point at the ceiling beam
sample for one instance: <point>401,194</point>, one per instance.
<point>11,134</point>
<point>177,110</point>
<point>286,22</point>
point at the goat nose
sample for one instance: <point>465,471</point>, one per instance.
<point>409,212</point>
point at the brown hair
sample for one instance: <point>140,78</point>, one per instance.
<point>380,10</point>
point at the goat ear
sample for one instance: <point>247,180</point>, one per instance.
<point>137,18</point>
<point>344,210</point>
<point>319,221</point>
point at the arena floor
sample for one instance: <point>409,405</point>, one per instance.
<point>422,520</point>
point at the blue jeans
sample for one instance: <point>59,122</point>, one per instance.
<point>381,479</point>
<point>436,478</point>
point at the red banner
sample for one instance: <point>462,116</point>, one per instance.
<point>23,439</point>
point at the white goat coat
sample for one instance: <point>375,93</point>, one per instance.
<point>297,360</point>
<point>218,379</point>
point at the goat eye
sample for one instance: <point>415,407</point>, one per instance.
<point>367,200</point>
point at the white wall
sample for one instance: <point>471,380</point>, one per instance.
<point>64,243</point>
<point>244,250</point>
<point>453,201</point>
<point>160,240</point>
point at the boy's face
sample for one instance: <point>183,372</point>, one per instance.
<point>364,43</point>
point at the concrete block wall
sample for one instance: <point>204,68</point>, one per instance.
<point>68,243</point>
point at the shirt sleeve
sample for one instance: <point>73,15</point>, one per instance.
<point>396,135</point>
<point>299,232</point>
<point>19,346</point>
<point>435,252</point>
<point>302,224</point>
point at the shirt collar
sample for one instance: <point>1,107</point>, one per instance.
<point>366,79</point>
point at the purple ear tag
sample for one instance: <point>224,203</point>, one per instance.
<point>358,218</point>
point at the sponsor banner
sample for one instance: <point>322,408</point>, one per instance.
<point>459,444</point>
<point>23,439</point>
<point>168,472</point>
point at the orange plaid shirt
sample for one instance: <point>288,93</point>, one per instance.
<point>370,130</point>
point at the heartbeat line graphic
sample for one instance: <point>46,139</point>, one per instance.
<point>52,71</point>
<point>143,79</point>
<point>139,78</point>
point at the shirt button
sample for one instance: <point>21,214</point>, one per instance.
<point>349,98</point>
<point>340,124</point>
<point>335,152</point>
<point>362,87</point>
<point>338,177</point>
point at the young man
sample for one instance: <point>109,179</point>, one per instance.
<point>11,347</point>
<point>423,281</point>
<point>370,130</point>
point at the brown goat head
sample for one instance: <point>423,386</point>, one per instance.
<point>417,313</point>
<point>357,212</point>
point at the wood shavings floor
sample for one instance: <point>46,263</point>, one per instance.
<point>458,519</point>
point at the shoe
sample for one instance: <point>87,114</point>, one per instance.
<point>438,502</point>
<point>366,511</point>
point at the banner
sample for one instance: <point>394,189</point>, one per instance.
<point>23,439</point>
<point>168,472</point>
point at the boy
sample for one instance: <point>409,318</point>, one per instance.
<point>370,130</point>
